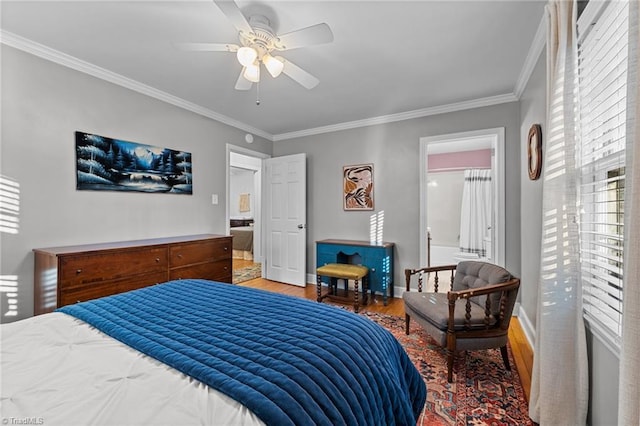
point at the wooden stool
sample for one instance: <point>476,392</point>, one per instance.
<point>345,271</point>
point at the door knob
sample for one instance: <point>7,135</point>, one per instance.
<point>301,226</point>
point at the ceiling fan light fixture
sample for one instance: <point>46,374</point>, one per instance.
<point>252,73</point>
<point>258,40</point>
<point>273,65</point>
<point>247,56</point>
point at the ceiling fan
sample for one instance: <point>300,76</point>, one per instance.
<point>259,43</point>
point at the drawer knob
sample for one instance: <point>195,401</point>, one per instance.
<point>226,268</point>
<point>157,260</point>
<point>179,256</point>
<point>78,271</point>
<point>226,248</point>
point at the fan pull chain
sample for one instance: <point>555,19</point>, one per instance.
<point>258,93</point>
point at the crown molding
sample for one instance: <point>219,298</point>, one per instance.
<point>384,119</point>
<point>535,50</point>
<point>72,62</point>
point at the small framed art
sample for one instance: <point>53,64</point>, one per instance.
<point>358,187</point>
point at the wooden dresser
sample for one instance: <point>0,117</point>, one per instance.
<point>65,275</point>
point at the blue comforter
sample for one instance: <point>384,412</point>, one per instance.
<point>289,360</point>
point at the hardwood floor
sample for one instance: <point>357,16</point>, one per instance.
<point>241,263</point>
<point>522,352</point>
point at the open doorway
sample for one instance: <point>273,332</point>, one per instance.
<point>244,211</point>
<point>447,164</point>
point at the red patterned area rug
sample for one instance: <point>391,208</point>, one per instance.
<point>482,392</point>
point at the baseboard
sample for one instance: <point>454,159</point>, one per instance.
<point>527,327</point>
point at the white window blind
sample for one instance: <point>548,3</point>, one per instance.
<point>602,92</point>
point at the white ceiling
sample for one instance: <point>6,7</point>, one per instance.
<point>388,58</point>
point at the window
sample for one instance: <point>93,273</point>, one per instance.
<point>602,92</point>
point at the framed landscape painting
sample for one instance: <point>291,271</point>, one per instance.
<point>106,164</point>
<point>358,187</point>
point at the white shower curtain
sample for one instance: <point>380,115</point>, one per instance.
<point>475,218</point>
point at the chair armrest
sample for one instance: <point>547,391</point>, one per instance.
<point>408,273</point>
<point>512,284</point>
<point>506,287</point>
<point>427,269</point>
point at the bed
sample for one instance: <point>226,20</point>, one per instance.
<point>242,242</point>
<point>202,352</point>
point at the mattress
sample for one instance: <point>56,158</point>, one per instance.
<point>76,375</point>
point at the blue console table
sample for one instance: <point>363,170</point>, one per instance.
<point>377,257</point>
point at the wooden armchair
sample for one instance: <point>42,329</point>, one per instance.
<point>481,321</point>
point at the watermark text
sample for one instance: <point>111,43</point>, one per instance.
<point>23,420</point>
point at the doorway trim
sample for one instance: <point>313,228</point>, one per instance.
<point>497,136</point>
<point>258,221</point>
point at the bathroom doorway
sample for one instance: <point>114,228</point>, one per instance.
<point>447,164</point>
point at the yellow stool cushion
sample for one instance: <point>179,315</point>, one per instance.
<point>343,270</point>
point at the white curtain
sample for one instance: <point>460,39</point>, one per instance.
<point>475,217</point>
<point>559,386</point>
<point>629,390</point>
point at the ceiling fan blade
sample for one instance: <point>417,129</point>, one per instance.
<point>233,12</point>
<point>243,83</point>
<point>300,75</point>
<point>315,34</point>
<point>207,47</point>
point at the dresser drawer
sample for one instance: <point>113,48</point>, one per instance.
<point>199,251</point>
<point>340,254</point>
<point>219,270</point>
<point>108,288</point>
<point>82,294</point>
<point>91,268</point>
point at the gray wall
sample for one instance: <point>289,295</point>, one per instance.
<point>43,104</point>
<point>242,182</point>
<point>394,151</point>
<point>532,111</point>
<point>603,363</point>
<point>444,209</point>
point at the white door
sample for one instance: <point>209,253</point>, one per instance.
<point>286,219</point>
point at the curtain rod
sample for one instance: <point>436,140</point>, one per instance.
<point>456,169</point>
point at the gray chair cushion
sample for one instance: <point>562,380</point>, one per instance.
<point>471,274</point>
<point>434,308</point>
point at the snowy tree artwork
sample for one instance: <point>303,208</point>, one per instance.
<point>105,164</point>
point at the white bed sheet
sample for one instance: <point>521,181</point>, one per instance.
<point>58,370</point>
